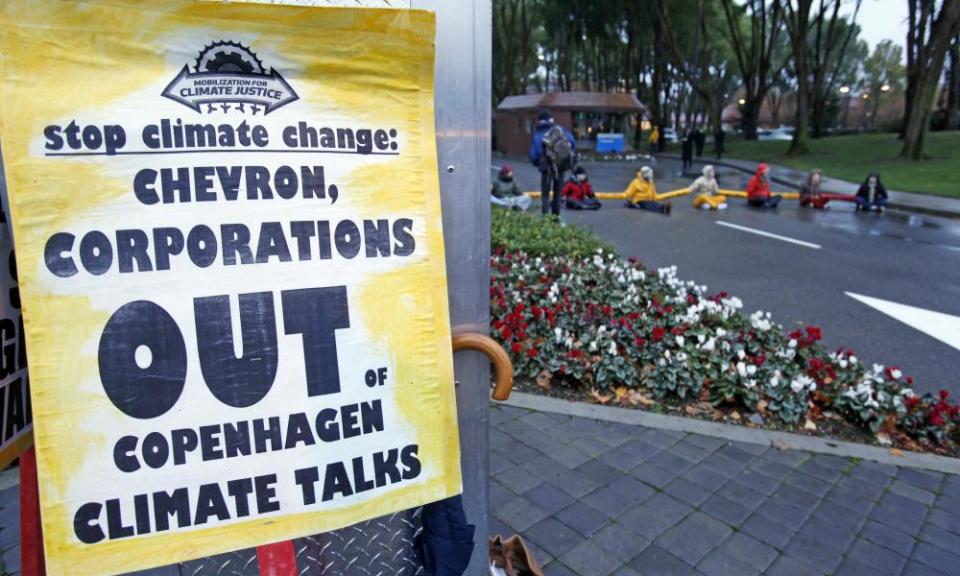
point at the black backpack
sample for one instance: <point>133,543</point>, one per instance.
<point>558,148</point>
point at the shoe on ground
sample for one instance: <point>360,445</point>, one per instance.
<point>704,206</point>
<point>722,206</point>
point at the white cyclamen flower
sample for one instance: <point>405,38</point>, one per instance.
<point>896,374</point>
<point>680,341</point>
<point>558,334</point>
<point>593,346</point>
<point>613,349</point>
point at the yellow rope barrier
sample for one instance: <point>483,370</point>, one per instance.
<point>676,193</point>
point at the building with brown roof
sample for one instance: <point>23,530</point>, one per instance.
<point>584,113</point>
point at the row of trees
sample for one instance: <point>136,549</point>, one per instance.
<point>688,58</point>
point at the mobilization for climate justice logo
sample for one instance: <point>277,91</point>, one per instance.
<point>229,76</point>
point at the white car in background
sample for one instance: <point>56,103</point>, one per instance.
<point>670,135</point>
<point>783,134</point>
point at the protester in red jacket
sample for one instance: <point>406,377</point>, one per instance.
<point>579,193</point>
<point>758,190</point>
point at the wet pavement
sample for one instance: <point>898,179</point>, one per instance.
<point>903,257</point>
<point>599,498</point>
<point>595,498</point>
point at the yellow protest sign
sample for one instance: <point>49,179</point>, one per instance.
<point>227,220</point>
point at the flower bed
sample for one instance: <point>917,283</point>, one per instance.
<point>601,328</point>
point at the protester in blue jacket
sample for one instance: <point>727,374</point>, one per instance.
<point>553,152</point>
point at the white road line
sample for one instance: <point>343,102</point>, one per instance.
<point>943,327</point>
<point>770,235</point>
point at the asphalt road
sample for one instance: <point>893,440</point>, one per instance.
<point>904,258</point>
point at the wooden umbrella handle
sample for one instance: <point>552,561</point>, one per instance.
<point>497,355</point>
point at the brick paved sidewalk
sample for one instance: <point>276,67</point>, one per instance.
<point>596,498</point>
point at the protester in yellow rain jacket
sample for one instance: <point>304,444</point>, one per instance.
<point>642,193</point>
<point>708,191</point>
<point>654,140</point>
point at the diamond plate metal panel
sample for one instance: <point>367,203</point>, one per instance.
<point>238,563</point>
<point>379,547</point>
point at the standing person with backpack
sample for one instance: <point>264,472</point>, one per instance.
<point>552,151</point>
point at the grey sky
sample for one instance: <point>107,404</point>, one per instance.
<point>881,20</point>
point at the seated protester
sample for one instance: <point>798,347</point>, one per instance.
<point>505,192</point>
<point>812,195</point>
<point>708,191</point>
<point>758,190</point>
<point>642,193</point>
<point>578,192</point>
<point>872,195</point>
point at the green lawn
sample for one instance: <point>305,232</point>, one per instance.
<point>852,157</point>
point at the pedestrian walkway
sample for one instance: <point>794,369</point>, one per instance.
<point>598,498</point>
<point>925,203</point>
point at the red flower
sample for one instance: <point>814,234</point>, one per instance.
<point>506,332</point>
<point>640,342</point>
<point>759,359</point>
<point>516,348</point>
<point>532,352</point>
<point>575,353</point>
<point>936,419</point>
<point>657,333</point>
<point>814,333</point>
<point>911,402</point>
<point>944,395</point>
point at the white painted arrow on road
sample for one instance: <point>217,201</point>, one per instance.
<point>943,327</point>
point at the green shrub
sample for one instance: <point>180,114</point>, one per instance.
<point>534,234</point>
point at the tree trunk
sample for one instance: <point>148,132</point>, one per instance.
<point>928,80</point>
<point>875,110</point>
<point>750,117</point>
<point>801,137</point>
<point>953,96</point>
